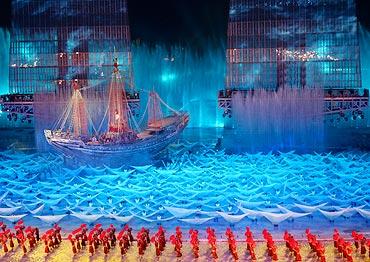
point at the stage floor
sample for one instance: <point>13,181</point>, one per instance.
<point>64,253</point>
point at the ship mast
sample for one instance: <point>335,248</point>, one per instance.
<point>79,113</point>
<point>117,103</point>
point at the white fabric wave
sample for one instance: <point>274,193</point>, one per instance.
<point>250,204</point>
<point>292,213</point>
<point>180,212</point>
<point>87,218</point>
<point>331,215</point>
<point>231,218</point>
<point>122,219</point>
<point>4,196</point>
<point>274,218</point>
<point>5,211</point>
<point>142,169</point>
<point>53,219</point>
<point>206,182</point>
<point>37,210</point>
<point>364,213</point>
<point>14,218</point>
<point>310,209</point>
<point>250,213</point>
<point>196,221</point>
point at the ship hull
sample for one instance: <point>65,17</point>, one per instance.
<point>138,148</point>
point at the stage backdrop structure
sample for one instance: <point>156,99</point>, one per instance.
<point>276,45</point>
<point>55,43</point>
<point>298,44</point>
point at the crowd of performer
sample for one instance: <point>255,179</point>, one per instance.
<point>106,239</point>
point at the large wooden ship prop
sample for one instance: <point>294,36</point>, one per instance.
<point>75,134</point>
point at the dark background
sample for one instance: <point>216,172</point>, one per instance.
<point>196,23</point>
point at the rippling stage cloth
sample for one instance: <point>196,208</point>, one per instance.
<point>198,185</point>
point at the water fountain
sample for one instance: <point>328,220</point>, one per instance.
<point>184,79</point>
<point>4,61</point>
<point>288,119</point>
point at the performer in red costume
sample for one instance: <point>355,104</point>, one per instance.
<point>211,236</point>
<point>232,243</point>
<point>194,241</point>
<point>250,243</point>
<point>176,240</point>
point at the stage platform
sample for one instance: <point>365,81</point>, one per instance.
<point>64,253</point>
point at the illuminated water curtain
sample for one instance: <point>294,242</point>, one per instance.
<point>183,79</point>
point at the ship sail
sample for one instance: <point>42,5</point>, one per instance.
<point>117,104</point>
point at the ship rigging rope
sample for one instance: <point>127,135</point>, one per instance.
<point>70,125</point>
<point>166,105</point>
<point>146,91</point>
<point>90,120</point>
<point>104,117</point>
<point>146,109</point>
<point>75,122</point>
<point>160,99</point>
<point>133,119</point>
<point>65,117</point>
<point>66,113</point>
<point>61,118</point>
<point>129,111</point>
<point>87,112</point>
